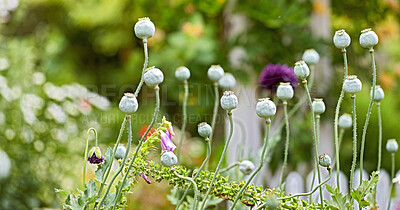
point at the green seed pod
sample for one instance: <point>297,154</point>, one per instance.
<point>229,101</point>
<point>227,81</point>
<point>311,57</point>
<point>265,108</point>
<point>246,167</point>
<point>318,106</point>
<point>168,159</point>
<point>121,151</point>
<point>352,84</point>
<point>392,146</point>
<point>285,91</point>
<point>144,28</point>
<point>215,72</point>
<point>324,160</point>
<point>204,130</point>
<point>345,121</point>
<point>153,76</point>
<point>341,39</point>
<point>379,94</point>
<point>128,103</point>
<point>182,73</point>
<point>368,38</point>
<point>301,70</point>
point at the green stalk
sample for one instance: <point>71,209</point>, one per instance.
<point>197,174</point>
<point>146,60</point>
<point>229,167</point>
<point>391,178</point>
<point>364,133</point>
<point>122,164</point>
<point>315,139</point>
<point>262,157</point>
<point>286,145</point>
<point>353,165</point>
<point>378,107</point>
<point>86,153</point>
<point>185,84</point>
<point>215,113</point>
<point>341,134</point>
<point>337,111</point>
<point>157,93</point>
<point>196,191</point>
<point>220,160</point>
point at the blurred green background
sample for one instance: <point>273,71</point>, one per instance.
<point>66,63</point>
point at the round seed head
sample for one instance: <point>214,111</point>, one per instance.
<point>182,73</point>
<point>153,76</point>
<point>324,160</point>
<point>368,38</point>
<point>144,28</point>
<point>392,146</point>
<point>311,57</point>
<point>345,121</point>
<point>204,129</point>
<point>246,167</point>
<point>341,39</point>
<point>121,151</point>
<point>301,70</point>
<point>352,84</point>
<point>168,159</point>
<point>379,94</point>
<point>215,72</point>
<point>227,81</point>
<point>229,101</point>
<point>318,106</point>
<point>265,108</point>
<point>285,91</point>
<point>128,103</point>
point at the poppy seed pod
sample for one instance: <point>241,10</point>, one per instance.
<point>285,91</point>
<point>229,101</point>
<point>311,57</point>
<point>204,130</point>
<point>227,81</point>
<point>168,159</point>
<point>324,160</point>
<point>144,28</point>
<point>341,39</point>
<point>271,202</point>
<point>246,167</point>
<point>368,38</point>
<point>128,103</point>
<point>352,84</point>
<point>121,151</point>
<point>345,121</point>
<point>265,108</point>
<point>182,73</point>
<point>379,94</point>
<point>392,146</point>
<point>301,70</point>
<point>318,106</point>
<point>215,72</point>
<point>153,76</point>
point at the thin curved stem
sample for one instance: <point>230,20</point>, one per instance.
<point>378,107</point>
<point>286,145</point>
<point>197,174</point>
<point>391,179</point>
<point>353,165</point>
<point>146,60</point>
<point>229,167</point>
<point>215,113</point>
<point>86,153</point>
<point>364,133</point>
<point>186,86</point>
<point>220,160</point>
<point>341,134</point>
<point>255,172</point>
<point>105,176</point>
<point>196,191</point>
<point>157,93</point>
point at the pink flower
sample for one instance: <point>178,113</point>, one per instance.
<point>166,142</point>
<point>146,178</point>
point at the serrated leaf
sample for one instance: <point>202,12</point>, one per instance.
<point>61,191</point>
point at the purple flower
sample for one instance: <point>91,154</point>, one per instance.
<point>166,142</point>
<point>95,160</point>
<point>146,178</point>
<point>273,74</point>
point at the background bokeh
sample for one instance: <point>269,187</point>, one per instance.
<point>64,64</point>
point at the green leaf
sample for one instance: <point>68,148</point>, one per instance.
<point>90,193</point>
<point>61,191</point>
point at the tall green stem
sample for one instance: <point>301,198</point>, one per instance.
<point>220,160</point>
<point>229,167</point>
<point>186,86</point>
<point>337,111</point>
<point>255,172</point>
<point>157,93</point>
<point>86,153</point>
<point>353,165</point>
<point>391,178</point>
<point>315,139</point>
<point>146,60</point>
<point>364,133</point>
<point>215,113</point>
<point>197,174</point>
<point>286,145</point>
<point>196,191</point>
<point>378,107</point>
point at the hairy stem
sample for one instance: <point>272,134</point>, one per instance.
<point>215,113</point>
<point>364,133</point>
<point>86,153</point>
<point>378,107</point>
<point>286,145</point>
<point>255,172</point>
<point>220,160</point>
<point>184,111</point>
<point>229,167</point>
<point>353,165</point>
<point>196,191</point>
<point>146,60</point>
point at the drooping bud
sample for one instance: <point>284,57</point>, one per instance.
<point>121,151</point>
<point>246,167</point>
<point>301,70</point>
<point>215,72</point>
<point>379,94</point>
<point>285,91</point>
<point>168,159</point>
<point>392,146</point>
<point>324,160</point>
<point>227,81</point>
<point>345,121</point>
<point>311,57</point>
<point>128,103</point>
<point>144,28</point>
<point>341,39</point>
<point>95,156</point>
<point>204,130</point>
<point>368,38</point>
<point>153,76</point>
<point>265,108</point>
<point>182,73</point>
<point>229,101</point>
<point>352,84</point>
<point>318,106</point>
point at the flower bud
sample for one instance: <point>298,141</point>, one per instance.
<point>95,156</point>
<point>182,73</point>
<point>168,159</point>
<point>246,167</point>
<point>121,151</point>
<point>215,72</point>
<point>204,130</point>
<point>153,76</point>
<point>324,160</point>
<point>318,106</point>
<point>271,202</point>
<point>392,146</point>
<point>345,121</point>
<point>144,28</point>
<point>352,84</point>
<point>285,91</point>
<point>128,103</point>
<point>227,81</point>
<point>379,94</point>
<point>229,101</point>
<point>341,39</point>
<point>368,38</point>
<point>265,108</point>
<point>301,70</point>
<point>311,57</point>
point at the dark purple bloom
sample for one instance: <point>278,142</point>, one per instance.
<point>146,178</point>
<point>273,74</point>
<point>95,160</point>
<point>166,142</point>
